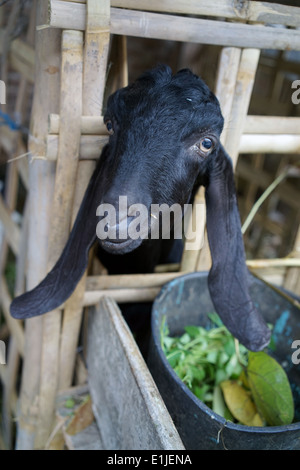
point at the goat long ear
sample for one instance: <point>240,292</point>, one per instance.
<point>228,277</point>
<point>61,281</point>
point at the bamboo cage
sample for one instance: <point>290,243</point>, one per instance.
<point>74,54</point>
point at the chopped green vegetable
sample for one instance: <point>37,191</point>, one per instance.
<point>214,366</point>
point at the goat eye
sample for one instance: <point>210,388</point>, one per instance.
<point>109,127</point>
<point>206,145</point>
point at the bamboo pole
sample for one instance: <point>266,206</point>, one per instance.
<point>66,170</point>
<point>198,220</point>
<point>123,288</point>
<point>240,103</point>
<point>235,80</point>
<point>89,125</point>
<point>126,22</point>
<point>272,125</point>
<point>269,143</point>
<point>292,278</point>
<point>93,125</point>
<point>9,394</point>
<point>11,229</point>
<point>74,305</point>
<point>288,193</point>
<point>11,191</point>
<point>143,294</point>
<point>271,263</point>
<point>97,25</point>
<point>226,82</point>
<point>94,76</point>
<point>14,326</point>
<point>246,10</point>
<point>225,88</point>
<point>92,145</point>
<point>116,281</point>
<point>45,100</point>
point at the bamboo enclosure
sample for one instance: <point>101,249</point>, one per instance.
<point>66,53</point>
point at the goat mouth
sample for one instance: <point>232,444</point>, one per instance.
<point>120,246</point>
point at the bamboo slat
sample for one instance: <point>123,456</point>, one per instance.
<point>66,170</point>
<point>11,230</point>
<point>93,125</point>
<point>92,145</point>
<point>21,57</point>
<point>240,103</point>
<point>111,281</point>
<point>14,326</point>
<point>73,306</point>
<point>269,143</point>
<point>263,179</point>
<point>143,294</point>
<point>196,223</point>
<point>45,100</point>
<point>292,278</point>
<point>9,394</point>
<point>226,82</point>
<point>177,28</point>
<point>89,125</point>
<point>246,10</point>
<point>96,45</point>
<point>272,125</point>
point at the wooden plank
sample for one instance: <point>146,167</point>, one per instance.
<point>127,406</point>
<point>87,439</point>
<point>177,28</point>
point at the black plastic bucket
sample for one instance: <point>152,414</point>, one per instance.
<point>186,301</point>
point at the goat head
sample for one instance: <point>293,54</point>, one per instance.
<point>164,143</point>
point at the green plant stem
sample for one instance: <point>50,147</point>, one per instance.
<point>262,198</point>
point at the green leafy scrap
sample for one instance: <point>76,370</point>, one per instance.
<point>242,386</point>
<point>270,389</point>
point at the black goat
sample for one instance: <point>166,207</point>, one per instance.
<point>164,143</point>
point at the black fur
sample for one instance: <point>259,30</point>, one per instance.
<point>152,157</point>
